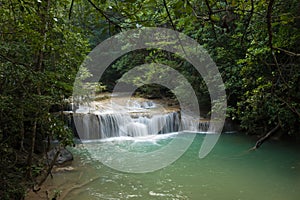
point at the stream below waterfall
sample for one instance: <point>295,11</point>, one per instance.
<point>228,172</point>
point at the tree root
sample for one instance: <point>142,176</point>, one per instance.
<point>66,193</point>
<point>264,138</point>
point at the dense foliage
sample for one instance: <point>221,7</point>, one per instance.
<point>40,51</point>
<point>254,43</point>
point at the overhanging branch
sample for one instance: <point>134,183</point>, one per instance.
<point>169,15</point>
<point>264,138</point>
<point>104,15</point>
<point>287,52</point>
<point>210,13</point>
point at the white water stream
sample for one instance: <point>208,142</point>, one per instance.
<point>137,119</point>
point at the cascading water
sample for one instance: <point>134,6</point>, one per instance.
<point>138,121</point>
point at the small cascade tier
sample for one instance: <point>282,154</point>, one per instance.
<point>98,126</point>
<point>136,119</point>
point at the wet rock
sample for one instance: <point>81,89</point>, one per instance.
<point>64,156</point>
<point>231,126</point>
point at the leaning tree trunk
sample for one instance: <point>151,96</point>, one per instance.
<point>43,14</point>
<point>265,137</point>
<point>50,167</point>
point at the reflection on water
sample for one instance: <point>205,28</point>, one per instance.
<point>228,172</point>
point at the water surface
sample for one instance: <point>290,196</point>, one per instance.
<point>228,172</point>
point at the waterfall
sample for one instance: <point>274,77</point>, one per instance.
<point>136,118</point>
<point>91,126</point>
<point>135,129</point>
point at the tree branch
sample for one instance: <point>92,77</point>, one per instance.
<point>50,167</point>
<point>169,15</point>
<point>264,138</point>
<point>287,52</point>
<point>174,27</point>
<point>270,33</point>
<point>104,15</point>
<point>294,110</point>
<point>70,10</point>
<point>211,20</point>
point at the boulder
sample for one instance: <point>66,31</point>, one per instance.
<point>63,157</point>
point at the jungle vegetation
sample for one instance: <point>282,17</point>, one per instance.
<point>255,44</point>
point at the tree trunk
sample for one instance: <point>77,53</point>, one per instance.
<point>265,137</point>
<point>38,68</point>
<point>50,167</point>
<point>22,131</point>
<point>31,151</point>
